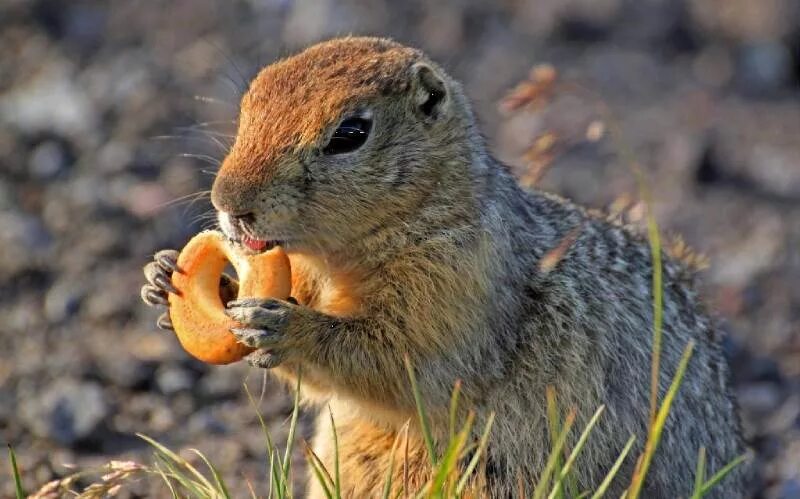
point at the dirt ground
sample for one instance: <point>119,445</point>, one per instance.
<point>113,113</point>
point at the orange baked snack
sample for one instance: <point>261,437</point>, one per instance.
<point>197,314</point>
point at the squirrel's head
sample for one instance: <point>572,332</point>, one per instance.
<point>337,142</point>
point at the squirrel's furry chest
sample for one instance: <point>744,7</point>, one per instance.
<point>318,285</point>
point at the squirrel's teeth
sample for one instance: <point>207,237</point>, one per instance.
<point>254,244</point>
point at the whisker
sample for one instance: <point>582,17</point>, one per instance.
<point>205,139</point>
<point>204,217</point>
<point>241,85</point>
<point>193,197</point>
<point>205,124</point>
<point>213,100</point>
<point>210,224</point>
<point>202,157</point>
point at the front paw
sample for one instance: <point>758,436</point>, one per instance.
<point>159,283</point>
<point>265,324</point>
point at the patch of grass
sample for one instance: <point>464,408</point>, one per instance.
<point>423,417</point>
<point>18,491</point>
<point>447,479</point>
<point>179,472</point>
<point>656,428</point>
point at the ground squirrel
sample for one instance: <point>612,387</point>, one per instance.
<point>361,157</point>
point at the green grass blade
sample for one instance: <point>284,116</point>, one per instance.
<point>337,482</point>
<point>178,460</point>
<point>275,480</point>
<point>319,471</point>
<point>654,435</point>
<point>554,423</point>
<point>20,493</point>
<point>423,420</point>
<point>654,239</point>
<point>699,474</point>
<point>574,454</point>
<point>658,300</point>
<point>272,472</point>
<point>454,408</point>
<point>718,476</point>
<point>287,457</point>
<point>450,458</point>
<point>190,485</point>
<point>614,469</point>
<point>473,463</point>
<point>166,480</point>
<point>555,455</point>
<point>221,488</point>
<point>387,484</point>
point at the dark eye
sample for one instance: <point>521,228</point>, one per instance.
<point>349,136</point>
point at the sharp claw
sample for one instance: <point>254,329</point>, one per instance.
<point>168,261</point>
<point>164,283</point>
<point>154,297</point>
<point>164,322</point>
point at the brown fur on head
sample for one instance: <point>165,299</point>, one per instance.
<point>278,178</point>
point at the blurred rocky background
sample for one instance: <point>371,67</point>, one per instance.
<point>114,113</point>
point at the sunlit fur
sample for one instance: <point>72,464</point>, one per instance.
<point>421,244</point>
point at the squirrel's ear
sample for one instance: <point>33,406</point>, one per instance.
<point>430,92</point>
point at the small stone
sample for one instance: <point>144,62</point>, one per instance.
<point>6,404</point>
<point>171,380</point>
<point>205,422</point>
<point>48,160</point>
<point>790,489</point>
<point>68,412</point>
<point>7,195</point>
<point>764,68</point>
<point>53,102</point>
<point>223,382</point>
<point>127,371</point>
<point>760,397</point>
<point>63,300</point>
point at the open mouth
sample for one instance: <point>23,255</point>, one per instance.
<point>258,245</point>
<point>238,232</point>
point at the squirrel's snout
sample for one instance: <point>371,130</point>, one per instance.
<point>230,196</point>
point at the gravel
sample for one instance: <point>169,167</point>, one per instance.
<point>67,412</point>
<point>97,106</point>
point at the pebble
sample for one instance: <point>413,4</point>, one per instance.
<point>83,187</point>
<point>63,299</point>
<point>205,422</point>
<point>222,383</point>
<point>760,397</point>
<point>171,380</point>
<point>127,371</point>
<point>790,489</point>
<point>67,411</point>
<point>49,159</point>
<point>764,68</point>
